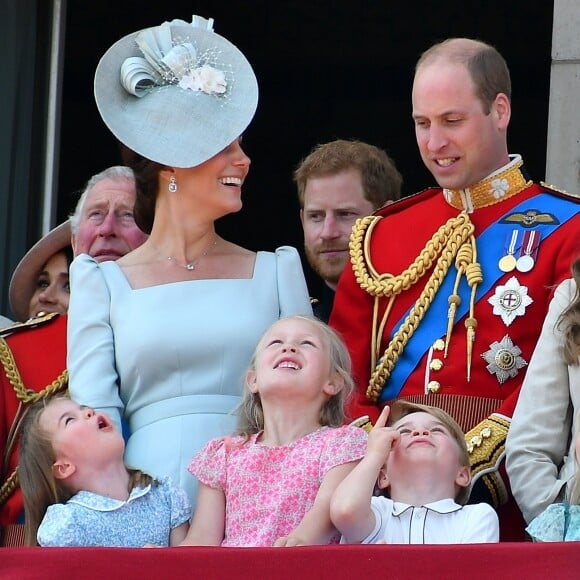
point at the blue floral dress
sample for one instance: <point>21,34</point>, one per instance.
<point>88,519</point>
<point>559,522</point>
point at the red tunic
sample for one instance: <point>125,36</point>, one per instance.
<point>396,240</point>
<point>39,351</point>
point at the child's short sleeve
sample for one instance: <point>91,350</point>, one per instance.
<point>549,526</point>
<point>482,525</point>
<point>343,445</point>
<point>178,500</point>
<point>60,527</point>
<point>209,464</point>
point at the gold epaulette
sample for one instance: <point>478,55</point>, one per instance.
<point>575,196</point>
<point>363,422</point>
<point>31,323</point>
<point>486,446</point>
<point>10,368</point>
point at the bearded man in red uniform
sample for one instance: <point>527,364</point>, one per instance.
<point>33,352</point>
<point>449,288</point>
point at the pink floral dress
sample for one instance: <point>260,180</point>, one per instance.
<point>268,490</point>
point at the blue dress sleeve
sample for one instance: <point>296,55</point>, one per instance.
<point>178,501</point>
<point>550,525</point>
<point>292,289</point>
<point>93,379</point>
<point>60,528</point>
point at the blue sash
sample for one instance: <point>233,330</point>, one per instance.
<point>489,252</point>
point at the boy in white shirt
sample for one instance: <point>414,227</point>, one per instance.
<point>421,461</point>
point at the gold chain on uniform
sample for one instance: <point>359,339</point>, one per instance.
<point>26,397</point>
<point>453,241</point>
<point>22,393</point>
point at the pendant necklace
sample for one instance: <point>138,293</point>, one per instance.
<point>190,266</point>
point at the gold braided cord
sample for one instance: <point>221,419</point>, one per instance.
<point>474,277</point>
<point>9,486</point>
<point>22,393</point>
<point>466,265</point>
<point>25,396</point>
<point>377,333</point>
<point>441,249</point>
<point>386,284</point>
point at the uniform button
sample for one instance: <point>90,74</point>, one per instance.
<point>439,344</point>
<point>436,364</point>
<point>433,386</point>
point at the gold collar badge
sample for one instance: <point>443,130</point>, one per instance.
<point>494,189</point>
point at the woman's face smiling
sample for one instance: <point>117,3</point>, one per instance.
<point>52,292</point>
<point>216,183</point>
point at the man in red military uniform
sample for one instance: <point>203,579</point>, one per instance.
<point>449,288</point>
<point>33,361</point>
<point>33,352</point>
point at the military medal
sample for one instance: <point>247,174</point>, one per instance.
<point>508,262</point>
<point>529,246</point>
<point>510,300</point>
<point>504,360</point>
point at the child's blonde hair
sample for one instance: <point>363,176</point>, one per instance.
<point>402,408</point>
<point>40,488</point>
<point>569,321</point>
<point>250,412</point>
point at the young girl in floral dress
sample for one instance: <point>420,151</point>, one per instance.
<point>271,483</point>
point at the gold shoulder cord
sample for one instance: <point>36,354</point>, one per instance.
<point>25,397</point>
<point>453,241</point>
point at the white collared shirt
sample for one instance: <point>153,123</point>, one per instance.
<point>440,522</point>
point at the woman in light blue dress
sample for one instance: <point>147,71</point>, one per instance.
<point>162,337</point>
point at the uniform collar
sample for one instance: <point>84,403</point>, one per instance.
<point>502,184</point>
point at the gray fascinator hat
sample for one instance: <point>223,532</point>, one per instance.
<point>177,93</point>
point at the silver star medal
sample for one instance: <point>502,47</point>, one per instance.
<point>510,300</point>
<point>504,360</point>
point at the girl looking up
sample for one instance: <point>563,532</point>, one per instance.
<point>78,491</point>
<point>271,483</point>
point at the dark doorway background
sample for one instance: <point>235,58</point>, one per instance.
<point>326,70</point>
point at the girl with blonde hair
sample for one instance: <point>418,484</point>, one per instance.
<point>271,483</point>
